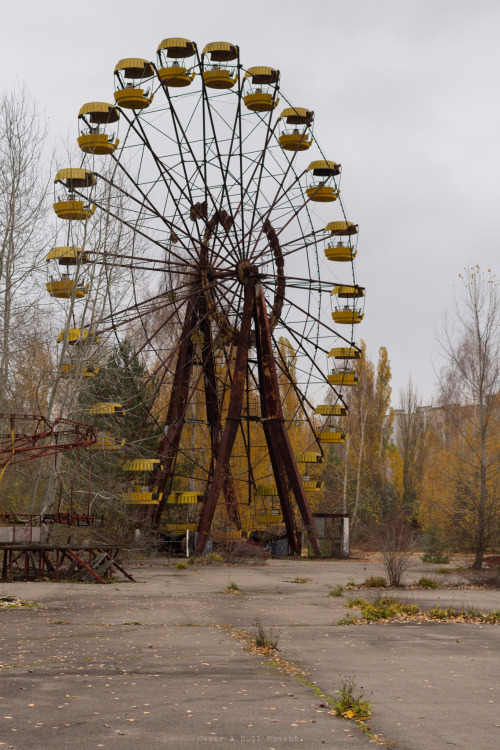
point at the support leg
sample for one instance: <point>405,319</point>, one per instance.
<point>232,422</point>
<point>274,417</point>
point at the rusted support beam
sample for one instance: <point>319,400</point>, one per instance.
<point>233,419</point>
<point>281,484</point>
<point>213,409</point>
<point>275,421</point>
<point>83,564</point>
<point>161,479</point>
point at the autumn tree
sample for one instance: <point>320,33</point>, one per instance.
<point>23,235</point>
<point>358,474</point>
<point>469,395</point>
<point>412,443</point>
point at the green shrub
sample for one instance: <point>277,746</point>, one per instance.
<point>181,566</point>
<point>427,583</point>
<point>337,591</point>
<point>434,547</point>
<point>438,559</point>
<point>383,608</point>
<point>265,638</point>
<point>348,620</point>
<point>356,603</point>
<point>350,704</point>
<point>233,587</point>
<point>375,582</point>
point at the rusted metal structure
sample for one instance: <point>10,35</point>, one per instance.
<point>84,562</point>
<point>25,437</point>
<point>28,437</point>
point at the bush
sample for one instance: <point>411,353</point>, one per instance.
<point>375,582</point>
<point>241,550</point>
<point>438,559</point>
<point>337,591</point>
<point>266,639</point>
<point>435,547</point>
<point>211,559</point>
<point>350,704</point>
<point>397,540</point>
<point>427,583</point>
<point>181,566</point>
<point>383,608</point>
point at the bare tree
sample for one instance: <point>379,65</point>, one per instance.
<point>23,194</point>
<point>469,392</point>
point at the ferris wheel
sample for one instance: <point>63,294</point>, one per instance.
<point>241,280</point>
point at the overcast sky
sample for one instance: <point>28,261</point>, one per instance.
<point>406,96</point>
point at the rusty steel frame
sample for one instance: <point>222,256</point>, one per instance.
<point>282,457</point>
<point>17,447</point>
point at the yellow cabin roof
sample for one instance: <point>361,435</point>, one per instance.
<point>342,227</point>
<point>76,334</point>
<point>329,410</point>
<point>349,290</point>
<point>76,177</point>
<point>323,167</point>
<point>345,352</point>
<point>263,74</point>
<point>221,51</point>
<point>134,67</point>
<point>141,464</point>
<point>101,112</point>
<point>296,115</point>
<point>309,457</point>
<point>71,253</point>
<point>178,47</point>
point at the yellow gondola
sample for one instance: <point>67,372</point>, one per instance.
<point>93,138</point>
<point>68,205</point>
<point>330,410</point>
<point>76,371</point>
<point>141,464</point>
<point>107,442</point>
<point>322,172</point>
<point>66,288</point>
<point>172,57</point>
<point>267,490</point>
<point>185,498</point>
<point>312,485</point>
<point>310,457</point>
<point>291,138</point>
<point>140,495</point>
<point>340,252</point>
<point>106,408</point>
<point>343,377</point>
<point>215,74</point>
<point>132,83</point>
<point>77,335</point>
<point>347,315</point>
<point>260,89</point>
<point>332,435</point>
